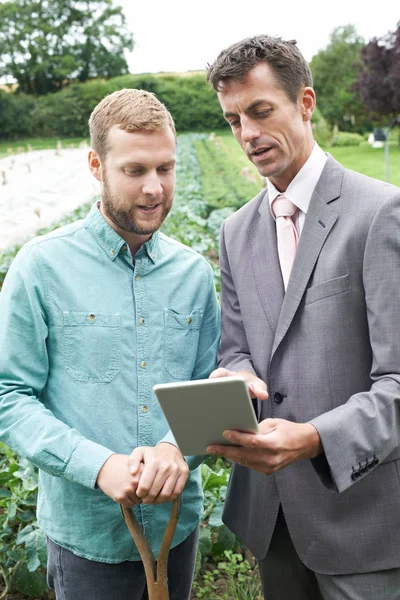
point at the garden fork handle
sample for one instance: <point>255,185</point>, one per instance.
<point>156,574</point>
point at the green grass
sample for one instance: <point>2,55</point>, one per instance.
<point>363,159</point>
<point>7,146</point>
<point>369,161</point>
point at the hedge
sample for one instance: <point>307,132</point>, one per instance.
<point>192,104</point>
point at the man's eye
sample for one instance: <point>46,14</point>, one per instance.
<point>133,172</point>
<point>166,169</point>
<point>235,123</point>
<point>263,113</point>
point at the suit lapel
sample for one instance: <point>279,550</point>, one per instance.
<point>265,261</point>
<point>317,226</point>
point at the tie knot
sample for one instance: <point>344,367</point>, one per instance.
<point>283,207</point>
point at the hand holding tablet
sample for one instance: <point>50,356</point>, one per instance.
<point>199,411</point>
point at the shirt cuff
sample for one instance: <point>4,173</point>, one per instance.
<point>85,463</point>
<point>169,437</point>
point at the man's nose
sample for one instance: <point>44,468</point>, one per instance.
<point>152,185</point>
<point>250,130</point>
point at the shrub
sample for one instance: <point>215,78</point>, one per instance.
<point>346,138</point>
<point>15,112</point>
<point>321,130</point>
<point>192,104</point>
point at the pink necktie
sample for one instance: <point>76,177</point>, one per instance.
<point>287,235</point>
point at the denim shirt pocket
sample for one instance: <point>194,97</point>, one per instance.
<point>181,333</point>
<point>92,346</point>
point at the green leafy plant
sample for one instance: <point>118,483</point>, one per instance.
<point>234,578</point>
<point>23,550</point>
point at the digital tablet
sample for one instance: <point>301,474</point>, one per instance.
<point>199,411</point>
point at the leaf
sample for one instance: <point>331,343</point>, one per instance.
<point>215,519</point>
<point>4,493</point>
<point>5,477</point>
<point>212,480</point>
<point>26,534</point>
<point>32,558</point>
<point>12,510</point>
<point>28,475</point>
<point>31,584</point>
<point>205,544</point>
<point>27,516</point>
<point>16,554</point>
<point>30,501</point>
<point>226,541</point>
<point>41,547</point>
<point>35,545</point>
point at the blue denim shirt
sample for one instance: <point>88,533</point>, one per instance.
<point>84,335</point>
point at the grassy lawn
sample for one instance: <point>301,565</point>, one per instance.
<point>35,144</point>
<point>370,161</point>
<point>363,159</point>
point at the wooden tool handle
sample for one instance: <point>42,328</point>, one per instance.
<point>156,576</point>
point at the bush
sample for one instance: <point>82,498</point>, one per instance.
<point>321,130</point>
<point>192,104</point>
<point>346,138</point>
<point>15,112</point>
<point>59,115</point>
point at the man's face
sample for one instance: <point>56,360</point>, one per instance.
<point>274,133</point>
<point>138,181</point>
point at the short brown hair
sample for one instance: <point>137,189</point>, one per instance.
<point>289,65</point>
<point>131,110</point>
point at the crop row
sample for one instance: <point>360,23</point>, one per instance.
<point>210,186</point>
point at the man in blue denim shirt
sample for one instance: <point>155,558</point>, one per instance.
<point>93,315</point>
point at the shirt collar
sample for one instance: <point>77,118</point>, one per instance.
<point>110,241</point>
<point>302,186</point>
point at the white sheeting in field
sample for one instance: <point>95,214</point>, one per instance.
<point>39,187</point>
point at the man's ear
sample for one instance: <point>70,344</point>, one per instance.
<point>307,103</point>
<point>95,165</point>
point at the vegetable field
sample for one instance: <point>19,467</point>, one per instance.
<point>213,180</point>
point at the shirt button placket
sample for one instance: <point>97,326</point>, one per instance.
<point>144,368</point>
<point>145,437</point>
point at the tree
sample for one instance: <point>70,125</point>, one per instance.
<point>46,43</point>
<point>378,82</point>
<point>334,70</point>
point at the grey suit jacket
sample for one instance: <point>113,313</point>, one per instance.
<point>329,350</point>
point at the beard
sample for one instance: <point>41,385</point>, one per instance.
<point>125,219</point>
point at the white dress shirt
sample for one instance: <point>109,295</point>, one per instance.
<point>301,188</point>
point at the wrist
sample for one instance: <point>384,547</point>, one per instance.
<point>313,443</point>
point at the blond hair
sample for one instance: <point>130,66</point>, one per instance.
<point>131,110</point>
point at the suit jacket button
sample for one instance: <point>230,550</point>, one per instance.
<point>278,397</point>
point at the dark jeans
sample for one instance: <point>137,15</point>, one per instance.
<point>76,578</point>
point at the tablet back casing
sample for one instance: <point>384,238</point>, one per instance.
<point>198,411</point>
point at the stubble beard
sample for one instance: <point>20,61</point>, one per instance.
<point>124,219</point>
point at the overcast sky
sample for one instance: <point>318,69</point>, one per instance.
<point>179,35</point>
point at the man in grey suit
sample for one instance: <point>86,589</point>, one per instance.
<point>316,494</point>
